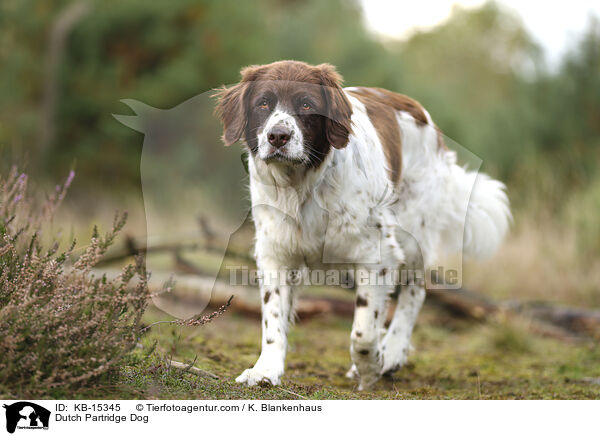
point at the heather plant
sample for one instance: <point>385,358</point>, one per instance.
<point>62,328</point>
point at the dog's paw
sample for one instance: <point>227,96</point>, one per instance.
<point>352,373</point>
<point>367,375</point>
<point>259,376</point>
<point>364,383</point>
<point>395,357</point>
<point>367,381</point>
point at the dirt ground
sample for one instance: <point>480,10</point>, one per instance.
<point>452,359</point>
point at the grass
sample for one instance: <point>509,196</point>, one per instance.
<point>452,360</point>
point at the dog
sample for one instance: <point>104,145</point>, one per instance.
<point>356,178</point>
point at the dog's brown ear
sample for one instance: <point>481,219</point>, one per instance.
<point>339,124</point>
<point>230,110</point>
<point>231,107</point>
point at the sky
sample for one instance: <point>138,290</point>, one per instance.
<point>556,25</point>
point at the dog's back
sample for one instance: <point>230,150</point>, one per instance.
<point>437,201</point>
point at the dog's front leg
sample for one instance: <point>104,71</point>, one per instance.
<point>277,301</point>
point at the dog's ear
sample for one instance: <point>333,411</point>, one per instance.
<point>339,111</point>
<point>231,106</point>
<point>231,112</point>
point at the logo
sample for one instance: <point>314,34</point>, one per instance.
<point>26,415</point>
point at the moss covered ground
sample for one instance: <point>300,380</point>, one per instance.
<point>453,359</point>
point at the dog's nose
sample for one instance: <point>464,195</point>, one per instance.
<point>279,136</point>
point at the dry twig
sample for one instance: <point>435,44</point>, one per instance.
<point>195,320</point>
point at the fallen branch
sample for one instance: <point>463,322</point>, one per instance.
<point>459,303</point>
<point>193,369</point>
<point>577,320</point>
<point>462,303</point>
<point>134,247</point>
<point>194,290</point>
<point>291,393</point>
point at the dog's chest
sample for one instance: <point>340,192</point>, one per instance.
<point>311,230</point>
<point>300,230</point>
<point>324,226</point>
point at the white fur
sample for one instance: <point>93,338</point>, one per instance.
<point>347,212</point>
<point>294,148</point>
<point>488,214</point>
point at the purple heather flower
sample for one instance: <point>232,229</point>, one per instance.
<point>70,178</point>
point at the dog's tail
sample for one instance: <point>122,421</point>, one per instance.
<point>480,214</point>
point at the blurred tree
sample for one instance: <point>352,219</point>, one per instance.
<point>161,53</point>
<point>480,75</point>
<point>469,73</point>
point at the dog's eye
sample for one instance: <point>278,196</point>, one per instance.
<point>306,106</point>
<point>263,104</point>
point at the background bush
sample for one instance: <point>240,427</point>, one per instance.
<point>480,74</point>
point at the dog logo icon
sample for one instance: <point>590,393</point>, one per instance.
<point>26,415</point>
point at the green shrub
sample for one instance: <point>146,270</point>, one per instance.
<point>61,327</point>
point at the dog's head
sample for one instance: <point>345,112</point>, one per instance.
<point>287,112</point>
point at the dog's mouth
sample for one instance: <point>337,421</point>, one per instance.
<point>279,156</point>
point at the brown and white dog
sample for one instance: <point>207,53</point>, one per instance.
<point>350,178</point>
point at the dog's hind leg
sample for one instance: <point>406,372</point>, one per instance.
<point>364,349</point>
<point>396,342</point>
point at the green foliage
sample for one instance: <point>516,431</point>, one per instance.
<point>480,75</point>
<point>61,327</point>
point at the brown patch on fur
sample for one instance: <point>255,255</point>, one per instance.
<point>267,296</point>
<point>383,117</point>
<point>361,301</point>
<point>270,341</point>
<point>440,139</point>
<point>399,102</point>
<point>364,352</point>
<point>230,110</point>
<point>338,124</point>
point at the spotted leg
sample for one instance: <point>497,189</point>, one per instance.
<point>364,340</point>
<point>396,342</point>
<point>380,332</point>
<point>277,313</point>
